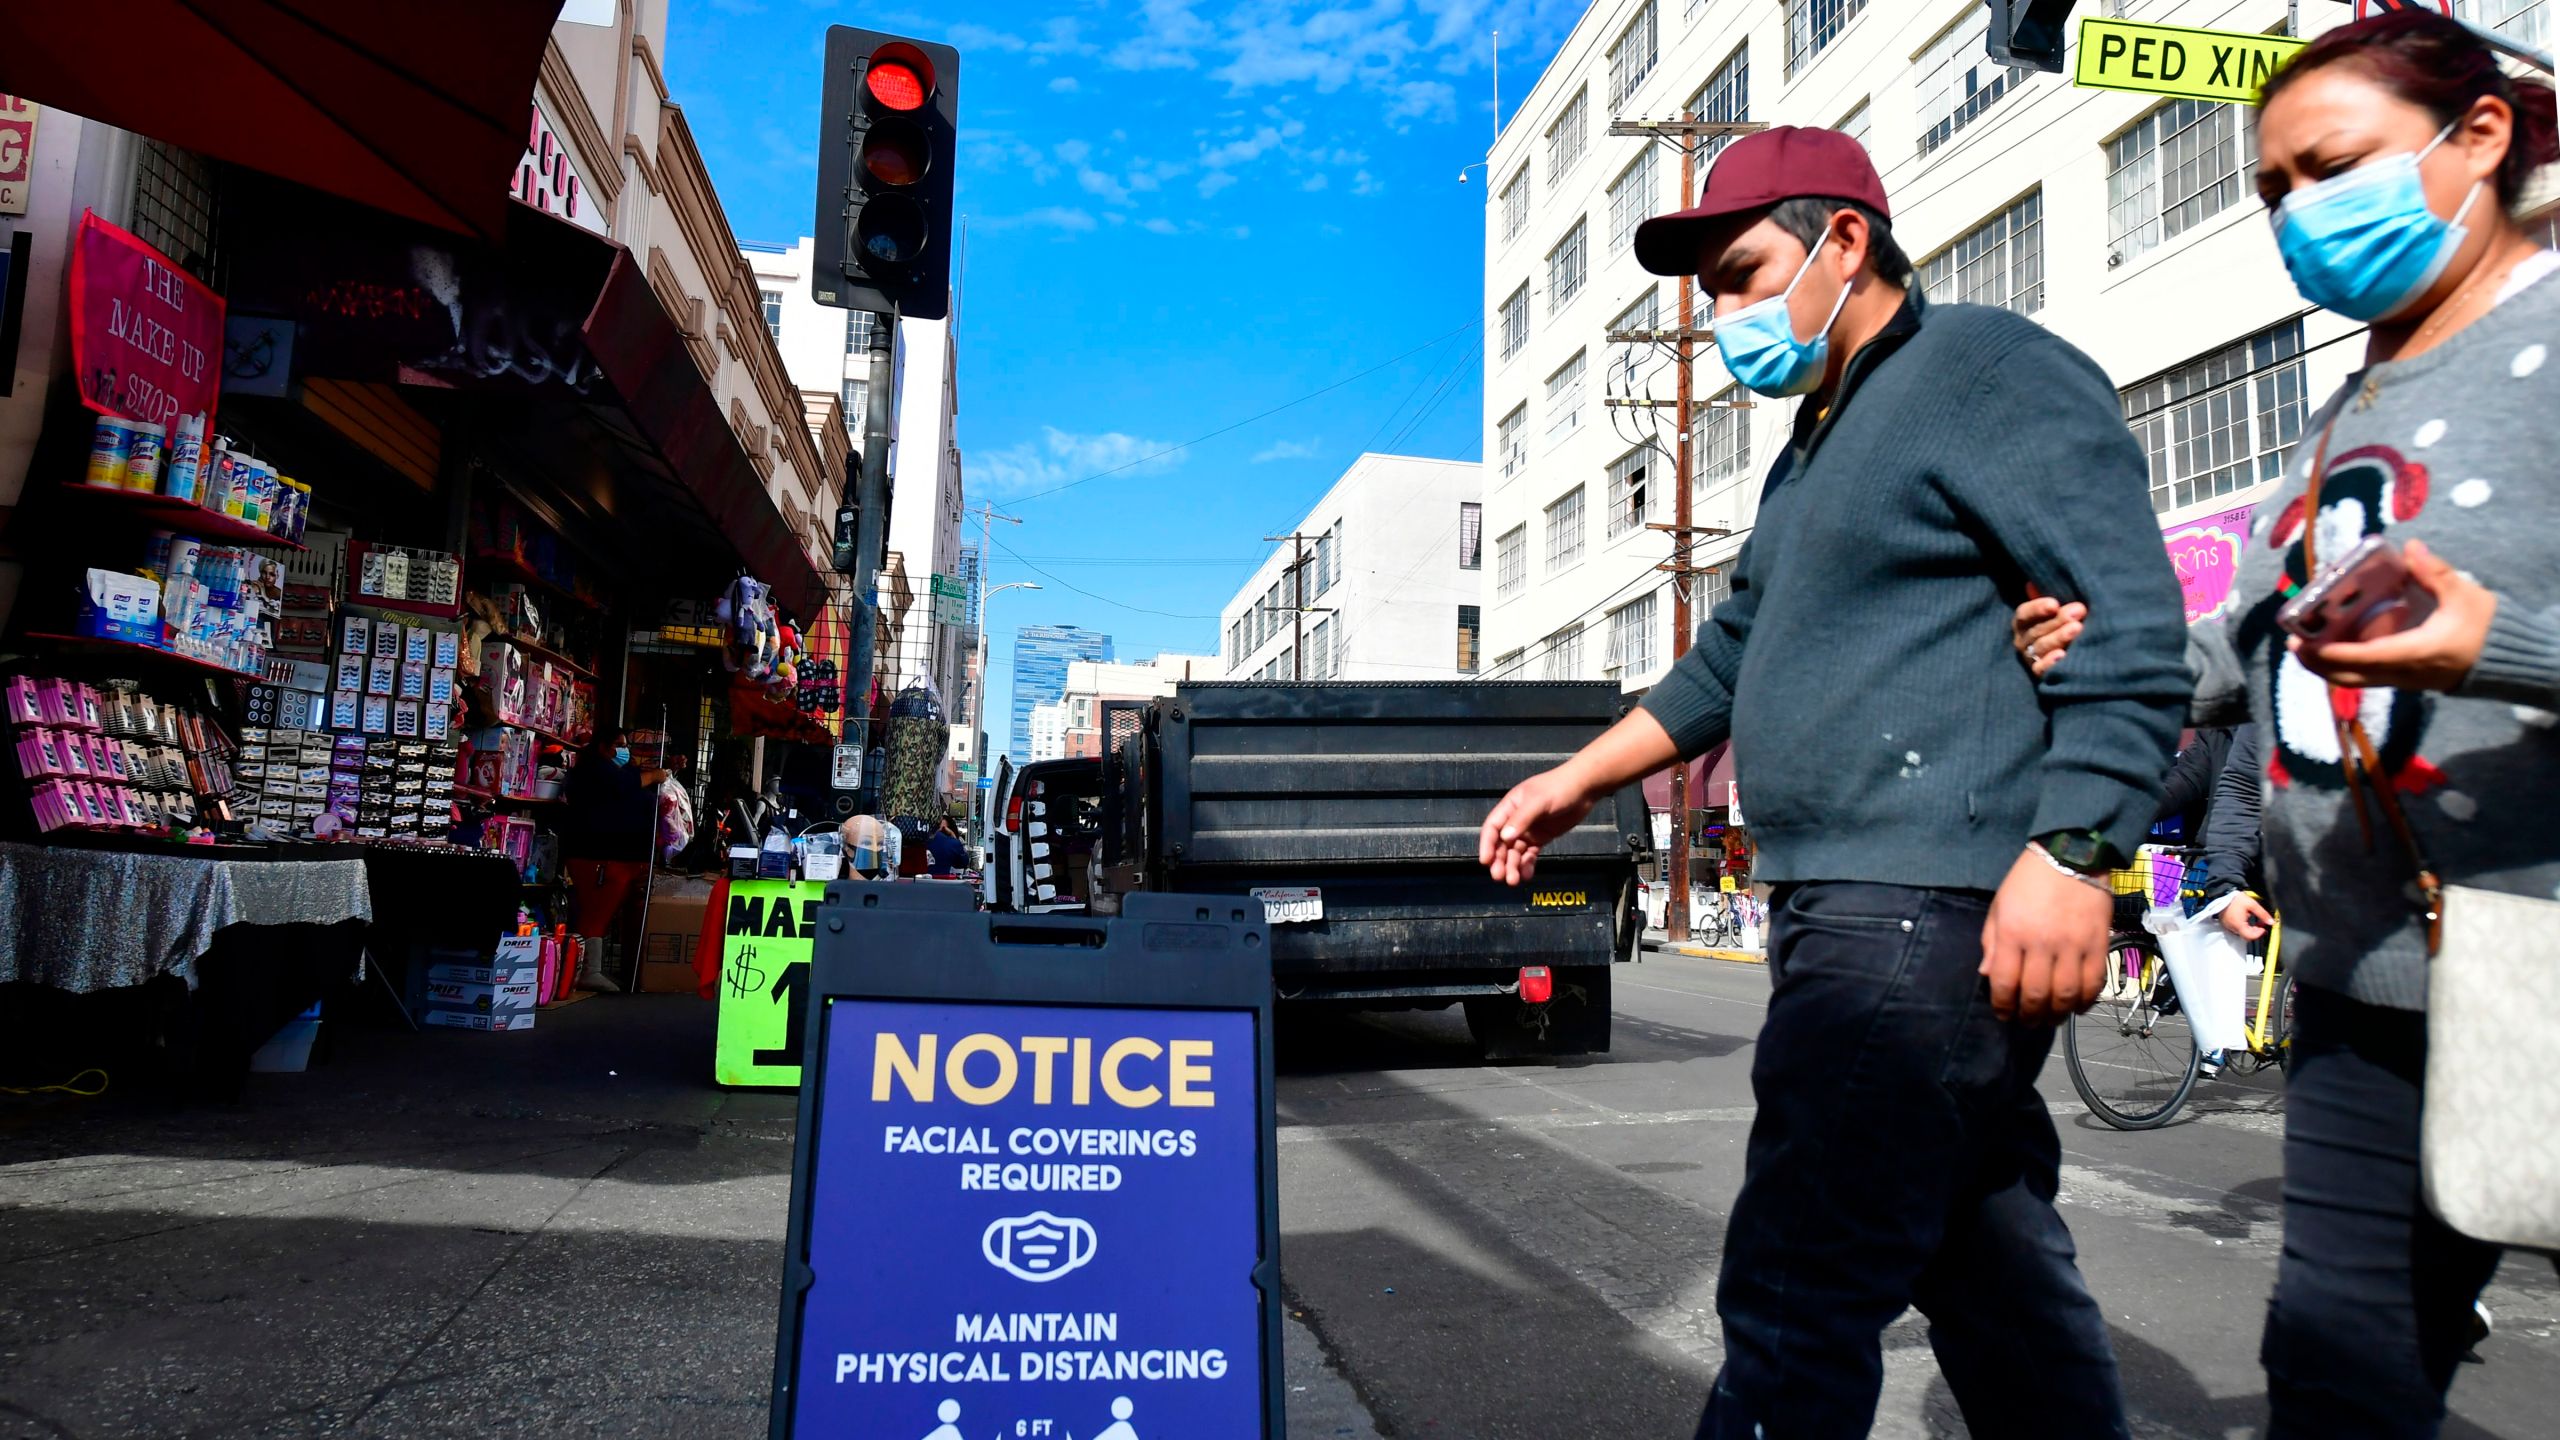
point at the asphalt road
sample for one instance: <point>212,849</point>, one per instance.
<point>1530,1249</point>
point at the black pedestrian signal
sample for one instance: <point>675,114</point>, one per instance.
<point>2028,32</point>
<point>888,135</point>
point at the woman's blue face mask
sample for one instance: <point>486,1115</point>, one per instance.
<point>1759,344</point>
<point>2363,243</point>
<point>621,754</point>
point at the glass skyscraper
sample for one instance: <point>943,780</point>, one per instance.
<point>1040,656</point>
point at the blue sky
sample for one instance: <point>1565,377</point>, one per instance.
<point>1180,215</point>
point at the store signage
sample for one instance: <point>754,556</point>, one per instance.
<point>844,770</point>
<point>764,981</point>
<point>17,152</point>
<point>2206,555</point>
<point>547,177</point>
<point>145,335</point>
<point>2175,60</point>
<point>1032,1198</point>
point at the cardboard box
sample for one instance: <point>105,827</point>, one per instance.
<point>666,950</point>
<point>462,995</point>
<point>524,974</point>
<point>474,1020</point>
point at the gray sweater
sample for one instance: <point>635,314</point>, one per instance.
<point>2453,447</point>
<point>1883,728</point>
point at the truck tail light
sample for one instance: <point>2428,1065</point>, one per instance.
<point>1537,984</point>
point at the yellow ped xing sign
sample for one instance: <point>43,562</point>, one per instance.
<point>2175,60</point>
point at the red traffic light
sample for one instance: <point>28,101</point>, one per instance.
<point>899,77</point>
<point>896,152</point>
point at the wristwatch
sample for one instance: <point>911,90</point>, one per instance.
<point>2083,852</point>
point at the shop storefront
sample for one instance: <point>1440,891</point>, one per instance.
<point>337,559</point>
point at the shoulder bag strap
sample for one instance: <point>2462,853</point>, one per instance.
<point>2357,757</point>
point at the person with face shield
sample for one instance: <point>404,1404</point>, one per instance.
<point>1937,825</point>
<point>2413,747</point>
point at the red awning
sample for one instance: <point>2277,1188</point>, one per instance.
<point>641,352</point>
<point>418,107</point>
<point>1710,782</point>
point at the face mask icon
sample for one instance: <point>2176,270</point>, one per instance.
<point>1039,1246</point>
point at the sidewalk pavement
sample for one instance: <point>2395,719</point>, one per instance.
<point>1656,940</point>
<point>563,1232</point>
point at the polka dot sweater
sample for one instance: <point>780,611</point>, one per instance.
<point>2458,447</point>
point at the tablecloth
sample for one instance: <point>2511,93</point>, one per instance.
<point>84,920</point>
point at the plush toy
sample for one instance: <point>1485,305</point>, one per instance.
<point>481,622</point>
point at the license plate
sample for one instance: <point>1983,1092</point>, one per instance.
<point>1290,906</point>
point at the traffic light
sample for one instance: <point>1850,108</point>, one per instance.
<point>2028,32</point>
<point>888,134</point>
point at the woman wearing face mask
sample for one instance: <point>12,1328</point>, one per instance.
<point>2390,153</point>
<point>605,836</point>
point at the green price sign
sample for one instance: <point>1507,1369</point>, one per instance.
<point>764,980</point>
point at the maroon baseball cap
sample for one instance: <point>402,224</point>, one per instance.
<point>1783,162</point>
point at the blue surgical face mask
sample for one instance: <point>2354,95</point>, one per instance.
<point>2364,243</point>
<point>621,754</point>
<point>1759,341</point>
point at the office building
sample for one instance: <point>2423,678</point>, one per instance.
<point>1041,654</point>
<point>1384,581</point>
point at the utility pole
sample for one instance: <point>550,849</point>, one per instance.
<point>987,518</point>
<point>871,527</point>
<point>1687,133</point>
<point>1297,592</point>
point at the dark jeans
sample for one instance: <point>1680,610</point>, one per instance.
<point>2373,1297</point>
<point>1901,1157</point>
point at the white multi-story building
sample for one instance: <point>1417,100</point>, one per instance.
<point>2126,223</point>
<point>1049,731</point>
<point>1384,583</point>
<point>827,349</point>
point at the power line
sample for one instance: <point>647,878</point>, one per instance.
<point>1248,420</point>
<point>1093,595</point>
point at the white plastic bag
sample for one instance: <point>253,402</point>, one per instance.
<point>2210,967</point>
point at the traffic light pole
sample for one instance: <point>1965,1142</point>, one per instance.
<point>871,524</point>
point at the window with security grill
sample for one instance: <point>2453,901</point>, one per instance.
<point>857,408</point>
<point>1958,83</point>
<point>1564,398</point>
<point>1470,638</point>
<point>1628,359</point>
<point>1719,441</point>
<point>1631,200</point>
<point>1564,530</point>
<point>2224,422</point>
<point>1515,204</point>
<point>1631,638</point>
<point>1511,562</point>
<point>1511,441</point>
<point>1854,124</point>
<point>1515,321</point>
<point>2525,20</point>
<point>1632,57</point>
<point>1726,97</point>
<point>1630,494</point>
<point>1999,262</point>
<point>1564,654</point>
<point>772,312</point>
<point>1506,666</point>
<point>1568,137</point>
<point>1567,267</point>
<point>1470,535</point>
<point>2178,167</point>
<point>1811,27</point>
<point>857,331</point>
<point>177,207</point>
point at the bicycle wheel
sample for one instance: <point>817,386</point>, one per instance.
<point>2284,1026</point>
<point>2132,1065</point>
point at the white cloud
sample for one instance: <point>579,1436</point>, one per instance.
<point>1064,85</point>
<point>1287,450</point>
<point>1213,182</point>
<point>1160,226</point>
<point>1060,456</point>
<point>1047,217</point>
<point>1365,183</point>
<point>1167,38</point>
<point>1423,100</point>
<point>1317,181</point>
<point>1237,152</point>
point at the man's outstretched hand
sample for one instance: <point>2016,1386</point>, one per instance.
<point>1537,810</point>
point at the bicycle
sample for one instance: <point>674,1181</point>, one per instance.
<point>2133,1056</point>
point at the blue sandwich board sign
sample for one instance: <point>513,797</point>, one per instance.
<point>1034,1190</point>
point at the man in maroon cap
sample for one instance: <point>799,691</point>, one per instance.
<point>1936,822</point>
